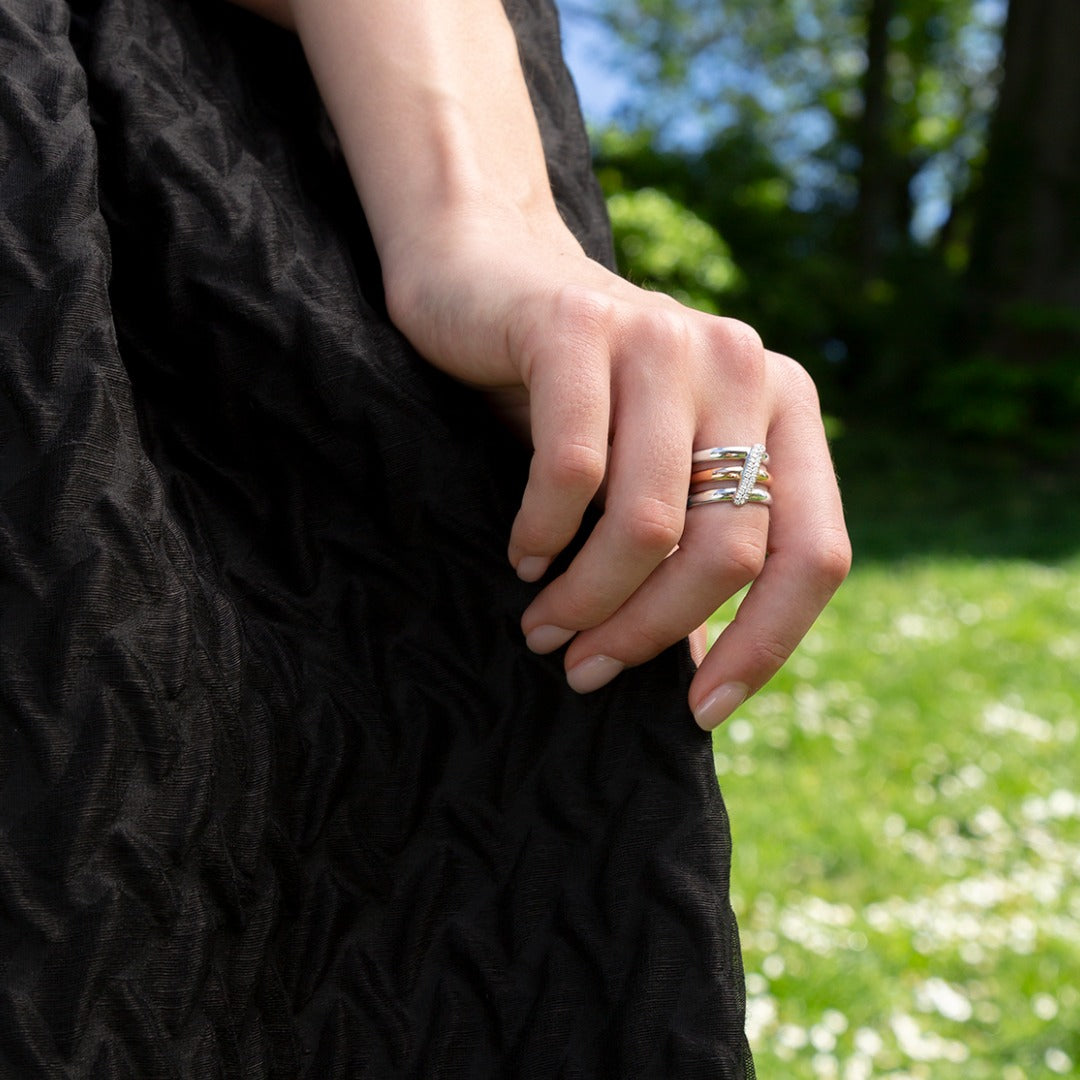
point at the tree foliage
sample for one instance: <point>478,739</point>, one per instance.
<point>840,149</point>
<point>801,68</point>
<point>663,244</point>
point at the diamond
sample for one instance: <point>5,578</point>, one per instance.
<point>749,474</point>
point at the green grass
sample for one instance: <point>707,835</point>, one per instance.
<point>905,801</point>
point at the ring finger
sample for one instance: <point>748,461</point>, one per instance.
<point>722,549</point>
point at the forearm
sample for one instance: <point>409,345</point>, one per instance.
<point>431,108</point>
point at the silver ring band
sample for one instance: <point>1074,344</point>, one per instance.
<point>725,453</point>
<point>758,495</point>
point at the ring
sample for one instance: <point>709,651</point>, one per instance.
<point>725,453</point>
<point>757,495</point>
<point>751,477</point>
<point>727,472</point>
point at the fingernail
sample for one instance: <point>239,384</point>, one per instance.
<point>533,567</point>
<point>593,673</point>
<point>720,704</point>
<point>545,639</point>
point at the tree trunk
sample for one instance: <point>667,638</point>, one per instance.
<point>1024,277</point>
<point>875,214</point>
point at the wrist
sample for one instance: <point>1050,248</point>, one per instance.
<point>450,266</point>
<point>471,225</point>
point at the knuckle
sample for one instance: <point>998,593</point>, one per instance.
<point>769,654</point>
<point>654,525</point>
<point>737,355</point>
<point>830,561</point>
<point>577,466</point>
<point>574,317</point>
<point>583,312</point>
<point>535,536</point>
<point>795,379</point>
<point>663,330</point>
<point>579,609</point>
<point>647,640</point>
<point>745,339</point>
<point>740,561</point>
<point>743,343</point>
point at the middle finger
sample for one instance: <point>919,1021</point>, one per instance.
<point>645,507</point>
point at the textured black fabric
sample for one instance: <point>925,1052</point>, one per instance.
<point>282,793</point>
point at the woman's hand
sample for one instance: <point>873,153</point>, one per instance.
<point>619,386</point>
<point>616,386</point>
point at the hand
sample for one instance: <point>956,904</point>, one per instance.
<point>619,386</point>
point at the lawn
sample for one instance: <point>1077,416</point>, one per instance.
<point>905,800</point>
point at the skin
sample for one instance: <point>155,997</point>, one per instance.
<point>614,385</point>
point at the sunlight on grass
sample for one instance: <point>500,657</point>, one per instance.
<point>905,798</point>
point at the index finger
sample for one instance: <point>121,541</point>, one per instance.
<point>569,402</point>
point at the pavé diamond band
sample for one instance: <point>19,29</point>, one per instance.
<point>727,453</point>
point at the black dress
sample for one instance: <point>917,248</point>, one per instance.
<point>282,792</point>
